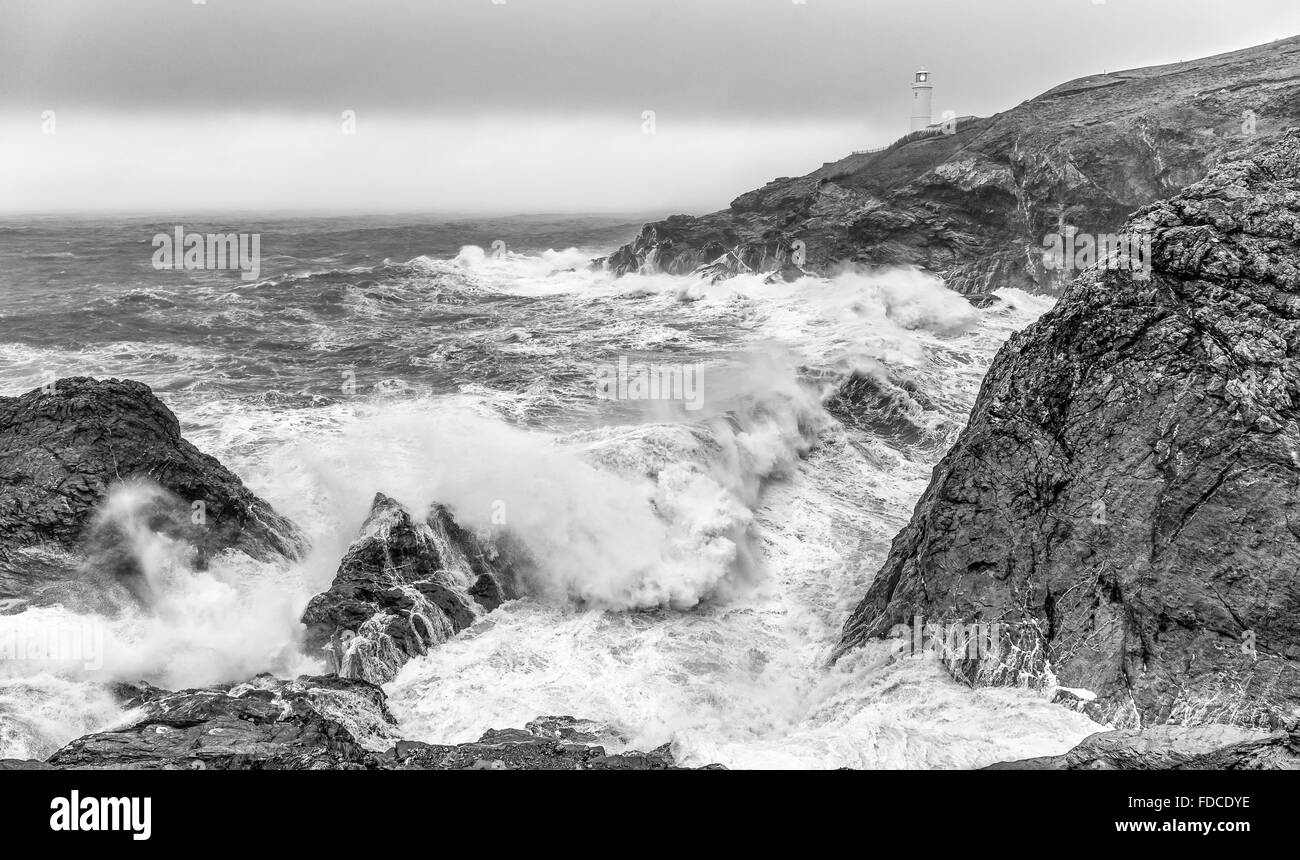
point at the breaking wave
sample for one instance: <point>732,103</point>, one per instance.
<point>691,568</point>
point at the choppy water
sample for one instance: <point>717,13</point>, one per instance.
<point>695,565</point>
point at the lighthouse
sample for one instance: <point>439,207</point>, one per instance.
<point>922,93</point>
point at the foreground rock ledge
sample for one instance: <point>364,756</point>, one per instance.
<point>317,723</point>
<point>1126,497</point>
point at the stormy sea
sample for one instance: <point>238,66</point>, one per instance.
<point>697,555</point>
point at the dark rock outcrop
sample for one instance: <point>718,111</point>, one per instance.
<point>404,586</point>
<point>1213,747</point>
<point>318,723</point>
<point>726,266</point>
<point>975,204</point>
<point>266,724</point>
<point>63,448</point>
<point>539,746</point>
<point>1125,500</point>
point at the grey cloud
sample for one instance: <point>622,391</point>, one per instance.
<point>699,58</point>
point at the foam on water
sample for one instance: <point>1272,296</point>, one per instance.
<point>744,681</point>
<point>42,711</point>
<point>692,570</point>
<point>187,628</point>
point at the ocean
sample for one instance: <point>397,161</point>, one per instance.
<point>699,544</point>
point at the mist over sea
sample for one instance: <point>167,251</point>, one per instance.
<point>695,565</point>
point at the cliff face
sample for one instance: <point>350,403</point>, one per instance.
<point>974,206</point>
<point>1126,497</point>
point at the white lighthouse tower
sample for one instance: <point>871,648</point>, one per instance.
<point>922,94</point>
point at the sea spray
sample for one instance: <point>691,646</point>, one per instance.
<point>697,566</point>
<point>189,628</point>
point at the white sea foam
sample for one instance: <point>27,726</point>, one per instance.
<point>24,367</point>
<point>692,570</point>
<point>232,621</point>
<point>743,682</point>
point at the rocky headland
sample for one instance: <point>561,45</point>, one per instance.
<point>972,200</point>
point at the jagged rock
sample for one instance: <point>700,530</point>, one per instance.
<point>975,205</point>
<point>404,586</point>
<point>137,694</point>
<point>570,729</point>
<point>683,245</point>
<point>1126,497</point>
<point>1212,747</point>
<point>309,723</point>
<point>787,274</point>
<point>983,300</point>
<point>726,266</point>
<point>63,448</point>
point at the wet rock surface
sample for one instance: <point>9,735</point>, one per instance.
<point>318,723</point>
<point>532,748</point>
<point>1125,500</point>
<point>404,586</point>
<point>310,723</point>
<point>63,448</point>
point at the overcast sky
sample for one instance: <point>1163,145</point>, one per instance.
<point>524,105</point>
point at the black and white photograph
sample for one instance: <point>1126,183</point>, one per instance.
<point>901,392</point>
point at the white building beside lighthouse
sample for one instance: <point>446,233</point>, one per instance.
<point>922,101</point>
